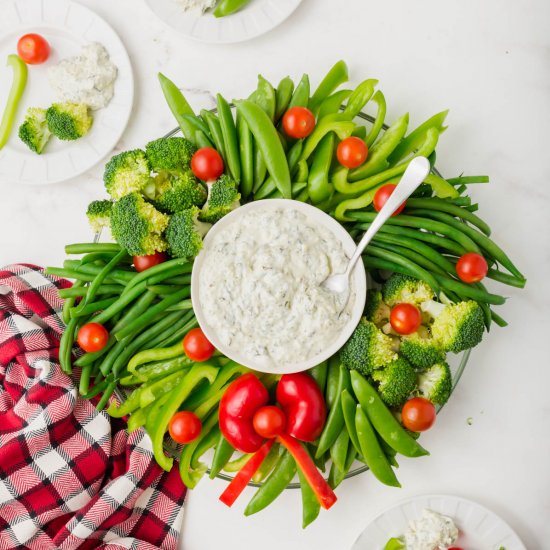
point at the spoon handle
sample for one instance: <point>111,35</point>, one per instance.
<point>414,175</point>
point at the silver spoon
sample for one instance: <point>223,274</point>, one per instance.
<point>414,175</point>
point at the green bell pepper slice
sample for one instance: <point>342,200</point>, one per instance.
<point>19,68</point>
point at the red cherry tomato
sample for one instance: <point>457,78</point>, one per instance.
<point>471,267</point>
<point>196,346</point>
<point>184,427</point>
<point>298,122</point>
<point>92,337</point>
<point>405,318</point>
<point>33,49</point>
<point>269,421</point>
<point>207,164</point>
<point>382,195</point>
<point>141,263</point>
<point>418,414</point>
<point>352,152</point>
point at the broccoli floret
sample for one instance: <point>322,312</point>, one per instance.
<point>170,154</point>
<point>396,382</point>
<point>436,383</point>
<point>69,121</point>
<point>367,349</point>
<point>456,327</point>
<point>185,232</point>
<point>375,309</point>
<point>137,225</point>
<point>127,172</point>
<point>223,197</point>
<point>404,289</point>
<point>421,349</point>
<point>99,214</point>
<point>177,192</point>
<point>34,131</point>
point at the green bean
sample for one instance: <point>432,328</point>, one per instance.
<point>222,455</point>
<point>454,210</point>
<point>96,390</point>
<point>310,504</point>
<point>66,346</point>
<point>71,274</point>
<point>360,97</point>
<point>501,277</point>
<point>423,223</point>
<point>92,269</point>
<point>109,390</point>
<point>84,248</point>
<point>124,300</point>
<point>498,319</point>
<point>479,238</point>
<point>268,143</point>
<point>274,485</point>
<point>300,97</point>
<point>380,101</point>
<point>469,291</point>
<point>92,257</point>
<point>89,358</point>
<point>370,449</point>
<point>283,95</point>
<point>319,374</point>
<point>333,102</point>
<point>415,139</point>
<point>383,420</point>
<point>246,152</point>
<point>229,132</point>
<point>418,258</point>
<point>215,128</point>
<point>92,307</point>
<point>157,270</point>
<point>337,75</point>
<point>69,301</point>
<point>178,331</point>
<point>77,291</point>
<point>466,180</point>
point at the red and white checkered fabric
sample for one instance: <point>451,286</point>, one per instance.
<point>70,477</point>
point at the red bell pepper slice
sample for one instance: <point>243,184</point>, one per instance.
<point>245,474</point>
<point>325,495</point>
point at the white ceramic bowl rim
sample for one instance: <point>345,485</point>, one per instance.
<point>359,282</point>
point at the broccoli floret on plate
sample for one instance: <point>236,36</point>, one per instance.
<point>34,131</point>
<point>404,289</point>
<point>176,192</point>
<point>69,121</point>
<point>375,308</point>
<point>396,382</point>
<point>367,349</point>
<point>456,327</point>
<point>185,232</point>
<point>420,349</point>
<point>127,172</point>
<point>223,197</point>
<point>138,226</point>
<point>170,154</point>
<point>99,214</point>
<point>436,383</point>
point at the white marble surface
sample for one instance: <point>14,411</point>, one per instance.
<point>489,63</point>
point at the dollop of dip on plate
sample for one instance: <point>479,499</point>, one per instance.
<point>85,78</point>
<point>431,531</point>
<point>260,286</point>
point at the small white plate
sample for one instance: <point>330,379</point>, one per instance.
<point>67,26</point>
<point>258,17</point>
<point>480,529</point>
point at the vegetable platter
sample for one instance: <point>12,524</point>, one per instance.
<point>130,313</point>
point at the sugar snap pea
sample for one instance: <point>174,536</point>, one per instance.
<point>319,374</point>
<point>339,449</point>
<point>229,132</point>
<point>349,406</point>
<point>310,504</point>
<point>213,123</point>
<point>264,96</point>
<point>246,152</point>
<point>283,95</point>
<point>222,455</point>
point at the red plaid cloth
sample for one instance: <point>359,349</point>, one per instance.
<point>70,477</point>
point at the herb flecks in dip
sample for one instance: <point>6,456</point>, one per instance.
<point>260,286</point>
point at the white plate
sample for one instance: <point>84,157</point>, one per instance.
<point>480,529</point>
<point>258,17</point>
<point>67,27</point>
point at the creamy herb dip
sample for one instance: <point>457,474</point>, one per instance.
<point>260,286</point>
<point>431,530</point>
<point>86,78</point>
<point>200,5</point>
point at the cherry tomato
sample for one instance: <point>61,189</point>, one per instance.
<point>352,152</point>
<point>471,267</point>
<point>382,195</point>
<point>405,318</point>
<point>92,337</point>
<point>207,164</point>
<point>33,49</point>
<point>269,421</point>
<point>196,346</point>
<point>418,414</point>
<point>141,263</point>
<point>184,427</point>
<point>298,122</point>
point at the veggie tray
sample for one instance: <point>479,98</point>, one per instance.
<point>130,313</point>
